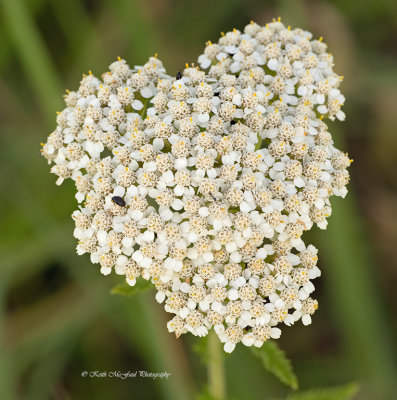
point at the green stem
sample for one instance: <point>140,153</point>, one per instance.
<point>216,372</point>
<point>258,146</point>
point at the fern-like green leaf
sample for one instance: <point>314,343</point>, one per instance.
<point>275,361</point>
<point>124,289</point>
<point>346,392</point>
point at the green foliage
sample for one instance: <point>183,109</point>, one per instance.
<point>275,361</point>
<point>124,289</point>
<point>346,392</point>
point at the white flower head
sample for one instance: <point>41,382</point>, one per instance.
<point>204,184</point>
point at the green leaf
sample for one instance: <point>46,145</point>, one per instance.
<point>346,392</point>
<point>125,289</point>
<point>275,361</point>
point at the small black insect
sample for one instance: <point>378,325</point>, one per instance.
<point>179,75</point>
<point>215,199</point>
<point>216,94</point>
<point>232,122</point>
<point>119,201</point>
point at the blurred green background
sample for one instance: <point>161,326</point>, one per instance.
<point>57,316</point>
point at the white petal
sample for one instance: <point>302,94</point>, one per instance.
<point>229,347</point>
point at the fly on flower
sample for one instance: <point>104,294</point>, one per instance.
<point>119,201</point>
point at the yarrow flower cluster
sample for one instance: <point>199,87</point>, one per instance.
<point>204,183</point>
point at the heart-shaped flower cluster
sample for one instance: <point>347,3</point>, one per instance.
<point>205,183</point>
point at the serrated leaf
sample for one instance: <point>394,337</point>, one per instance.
<point>124,289</point>
<point>275,361</point>
<point>346,392</point>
